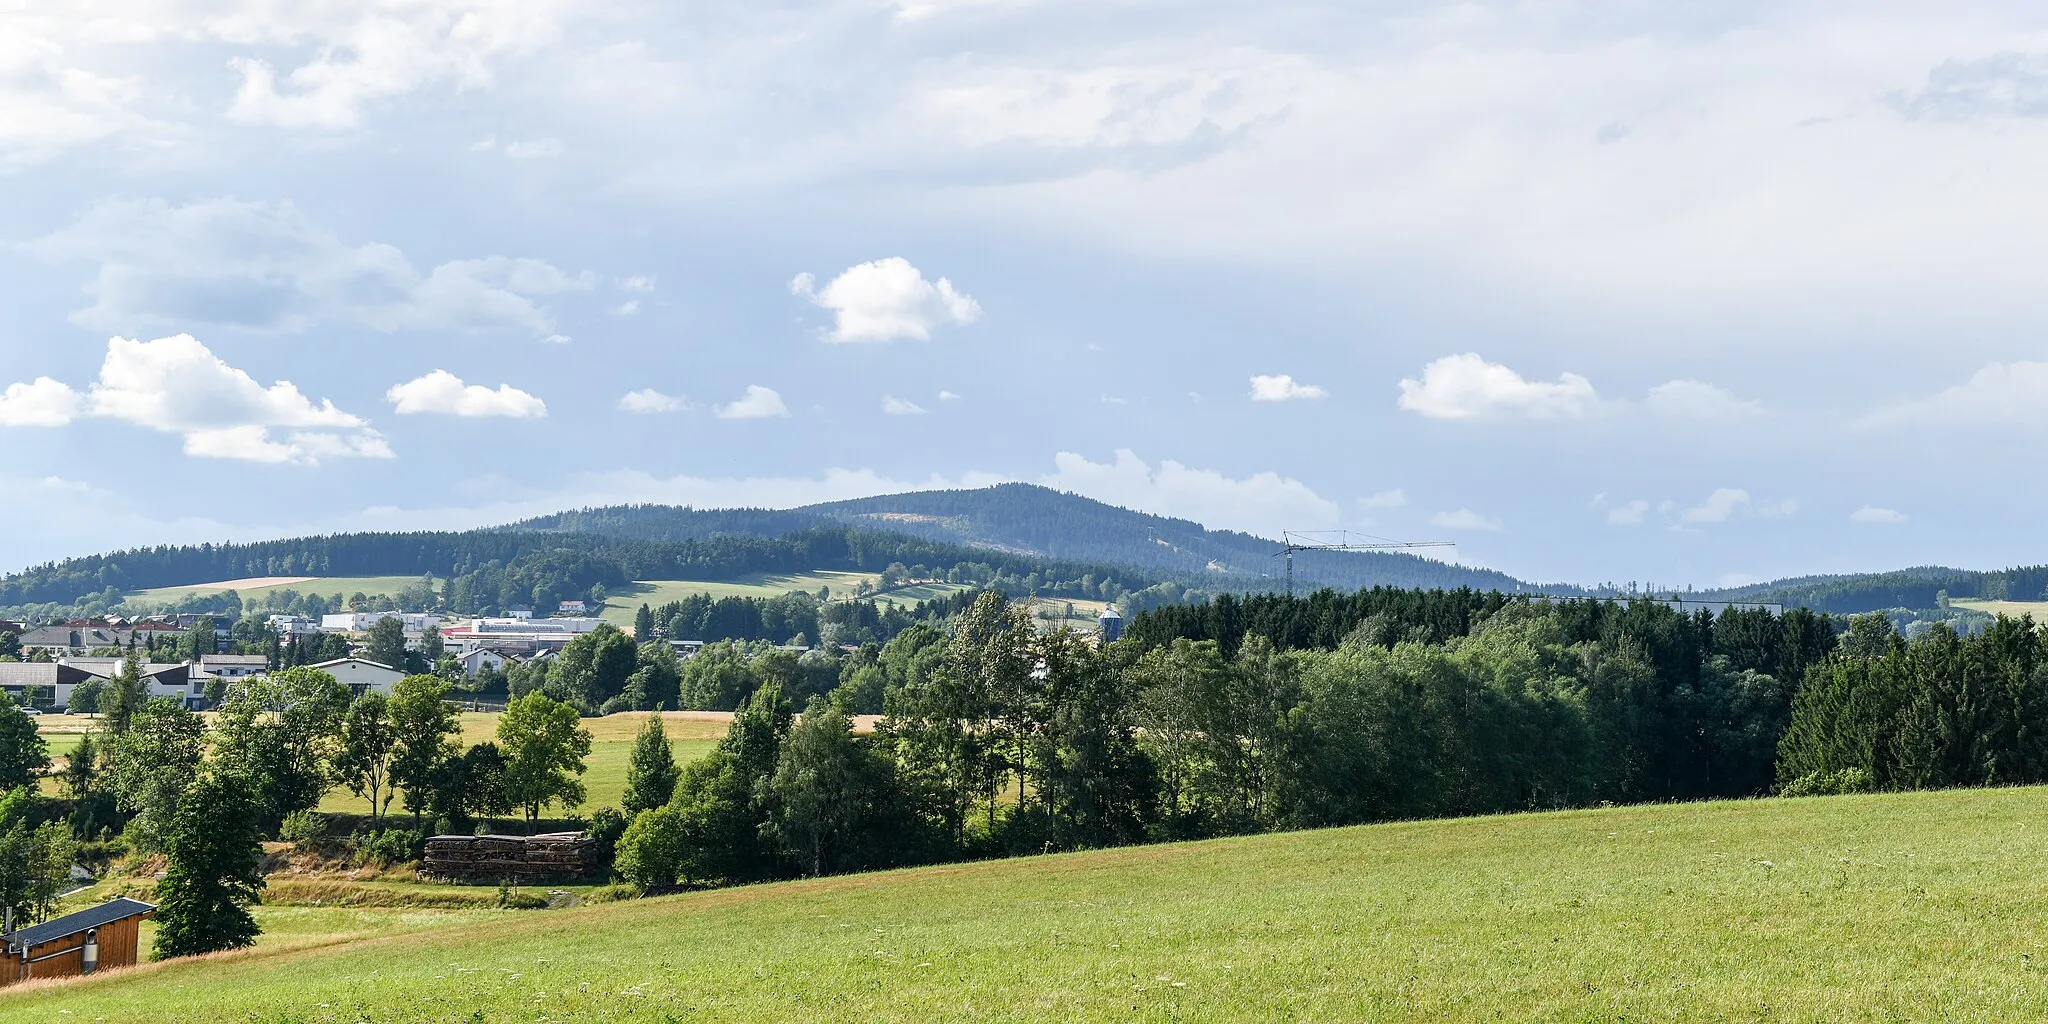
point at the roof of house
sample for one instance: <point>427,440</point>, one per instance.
<point>356,661</point>
<point>234,659</point>
<point>71,924</point>
<point>40,674</point>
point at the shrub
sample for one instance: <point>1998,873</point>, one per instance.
<point>391,846</point>
<point>605,828</point>
<point>303,828</point>
<point>1847,780</point>
<point>651,853</point>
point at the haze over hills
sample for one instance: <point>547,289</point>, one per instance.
<point>1029,519</point>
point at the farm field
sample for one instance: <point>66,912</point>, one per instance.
<point>1924,906</point>
<point>252,589</point>
<point>620,607</point>
<point>691,733</point>
<point>2038,609</point>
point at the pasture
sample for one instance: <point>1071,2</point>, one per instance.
<point>2037,609</point>
<point>620,607</point>
<point>1921,906</point>
<point>691,733</point>
<point>255,589</point>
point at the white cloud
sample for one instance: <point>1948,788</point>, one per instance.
<point>1999,394</point>
<point>1698,400</point>
<point>1872,514</point>
<point>266,267</point>
<point>886,300</point>
<point>535,149</point>
<point>758,403</point>
<point>365,55</point>
<point>648,400</point>
<point>1630,514</point>
<point>626,308</point>
<point>898,407</point>
<point>1718,508</point>
<point>1282,388</point>
<point>178,386</point>
<point>444,393</point>
<point>948,396</point>
<point>1467,387</point>
<point>1464,519</point>
<point>637,283</point>
<point>1385,499</point>
<point>1263,503</point>
<point>40,403</point>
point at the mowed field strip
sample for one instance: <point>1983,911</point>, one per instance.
<point>256,588</point>
<point>1923,906</point>
<point>2037,609</point>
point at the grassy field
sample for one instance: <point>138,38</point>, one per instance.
<point>2037,609</point>
<point>691,733</point>
<point>1872,908</point>
<point>620,607</point>
<point>254,589</point>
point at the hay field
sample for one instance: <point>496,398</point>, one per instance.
<point>1927,906</point>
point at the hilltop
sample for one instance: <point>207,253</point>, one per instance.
<point>1027,519</point>
<point>1920,906</point>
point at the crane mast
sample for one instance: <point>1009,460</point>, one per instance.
<point>1317,540</point>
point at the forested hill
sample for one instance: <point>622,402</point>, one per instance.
<point>1919,587</point>
<point>1031,520</point>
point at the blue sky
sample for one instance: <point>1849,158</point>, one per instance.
<point>1601,291</point>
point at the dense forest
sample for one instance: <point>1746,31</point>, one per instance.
<point>1920,588</point>
<point>1274,713</point>
<point>497,568</point>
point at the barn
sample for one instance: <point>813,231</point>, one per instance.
<point>92,939</point>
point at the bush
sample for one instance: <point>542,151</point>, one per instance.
<point>651,853</point>
<point>1847,780</point>
<point>303,828</point>
<point>391,846</point>
<point>605,828</point>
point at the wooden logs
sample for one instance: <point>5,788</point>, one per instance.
<point>523,859</point>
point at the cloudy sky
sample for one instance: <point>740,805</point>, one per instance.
<point>1623,291</point>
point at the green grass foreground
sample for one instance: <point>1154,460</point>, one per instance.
<point>1927,906</point>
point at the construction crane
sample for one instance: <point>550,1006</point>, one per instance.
<point>1317,540</point>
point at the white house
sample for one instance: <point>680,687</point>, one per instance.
<point>231,667</point>
<point>571,608</point>
<point>360,622</point>
<point>362,676</point>
<point>477,659</point>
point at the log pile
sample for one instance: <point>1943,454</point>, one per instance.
<point>525,859</point>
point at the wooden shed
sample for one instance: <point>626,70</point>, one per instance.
<point>90,940</point>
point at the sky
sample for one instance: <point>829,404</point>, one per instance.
<point>1667,293</point>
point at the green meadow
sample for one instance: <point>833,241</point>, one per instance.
<point>1923,906</point>
<point>691,733</point>
<point>255,589</point>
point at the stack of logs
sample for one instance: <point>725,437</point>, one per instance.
<point>556,855</point>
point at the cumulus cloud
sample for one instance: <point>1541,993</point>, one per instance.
<point>1718,508</point>
<point>1464,387</point>
<point>886,300</point>
<point>1629,514</point>
<point>648,400</point>
<point>1264,503</point>
<point>178,386</point>
<point>1698,400</point>
<point>2000,394</point>
<point>444,393</point>
<point>1282,388</point>
<point>948,396</point>
<point>758,403</point>
<point>898,407</point>
<point>1873,515</point>
<point>39,403</point>
<point>267,267</point>
<point>1464,519</point>
<point>1385,499</point>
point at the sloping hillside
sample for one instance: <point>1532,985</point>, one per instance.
<point>1923,906</point>
<point>1032,520</point>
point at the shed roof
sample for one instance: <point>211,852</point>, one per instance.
<point>71,924</point>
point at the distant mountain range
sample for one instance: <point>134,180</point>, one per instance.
<point>1027,519</point>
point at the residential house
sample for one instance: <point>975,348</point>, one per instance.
<point>476,659</point>
<point>362,676</point>
<point>166,679</point>
<point>43,685</point>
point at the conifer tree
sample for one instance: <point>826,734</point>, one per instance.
<point>651,775</point>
